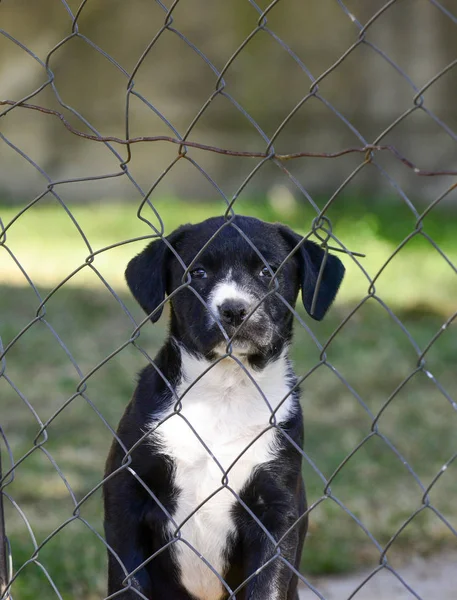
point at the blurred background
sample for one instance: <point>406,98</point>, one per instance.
<point>371,90</point>
<point>386,74</point>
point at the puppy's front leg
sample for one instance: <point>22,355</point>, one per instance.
<point>123,536</point>
<point>275,581</point>
<point>279,511</point>
<point>116,575</point>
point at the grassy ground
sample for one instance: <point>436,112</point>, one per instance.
<point>372,353</point>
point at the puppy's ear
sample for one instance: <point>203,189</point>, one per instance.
<point>310,257</point>
<point>146,274</point>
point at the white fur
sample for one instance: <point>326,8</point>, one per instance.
<point>227,289</point>
<point>228,412</point>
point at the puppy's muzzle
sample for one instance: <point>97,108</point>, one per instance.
<point>233,312</point>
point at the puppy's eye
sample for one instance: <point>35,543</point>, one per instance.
<point>198,274</point>
<point>265,272</point>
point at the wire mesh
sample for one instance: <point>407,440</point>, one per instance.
<point>321,230</point>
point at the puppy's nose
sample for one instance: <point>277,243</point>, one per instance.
<point>233,312</point>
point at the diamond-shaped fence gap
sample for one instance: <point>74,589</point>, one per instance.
<point>332,548</point>
<point>46,502</point>
<point>281,201</point>
<point>21,160</point>
<point>104,275</point>
<point>261,49</point>
<point>393,354</point>
<point>154,76</point>
<point>200,185</point>
<point>296,187</point>
<point>448,255</point>
<point>406,137</point>
<point>248,193</point>
<point>106,24</point>
<point>381,508</point>
<point>333,134</point>
<point>306,349</point>
<point>334,396</point>
<point>79,421</point>
<point>319,21</point>
<point>346,172</point>
<point>15,87</point>
<point>383,194</point>
<point>43,583</point>
<point>368,222</point>
<point>226,176</point>
<point>398,274</point>
<point>416,528</point>
<point>56,364</point>
<point>29,181</point>
<point>375,105</point>
<point>112,245</point>
<point>402,49</point>
<point>229,26</point>
<point>434,46</point>
<point>155,167</point>
<point>88,558</point>
<point>403,422</point>
<point>25,302</point>
<point>225,123</point>
<point>31,147</point>
<point>75,107</point>
<point>81,154</point>
<point>144,120</point>
<point>113,189</point>
<point>84,184</point>
<point>31,226</point>
<point>367,229</point>
<point>287,203</point>
<point>32,30</point>
<point>100,223</point>
<point>114,379</point>
<point>84,90</point>
<point>68,313</point>
<point>264,48</point>
<point>378,580</point>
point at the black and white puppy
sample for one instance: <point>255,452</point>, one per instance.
<point>204,506</point>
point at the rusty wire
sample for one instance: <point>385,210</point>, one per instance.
<point>321,228</point>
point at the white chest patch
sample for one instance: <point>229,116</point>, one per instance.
<point>227,411</point>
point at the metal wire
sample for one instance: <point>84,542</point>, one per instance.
<point>371,154</point>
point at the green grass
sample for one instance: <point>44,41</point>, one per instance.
<point>371,352</point>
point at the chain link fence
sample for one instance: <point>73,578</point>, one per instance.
<point>74,492</point>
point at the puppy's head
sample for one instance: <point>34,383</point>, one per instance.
<point>236,289</point>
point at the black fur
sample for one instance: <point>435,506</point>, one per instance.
<point>136,511</point>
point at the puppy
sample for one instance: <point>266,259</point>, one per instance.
<point>204,497</point>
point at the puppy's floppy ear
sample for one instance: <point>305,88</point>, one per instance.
<point>310,257</point>
<point>146,274</point>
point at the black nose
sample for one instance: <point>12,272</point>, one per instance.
<point>233,312</point>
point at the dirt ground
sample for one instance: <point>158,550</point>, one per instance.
<point>431,579</point>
